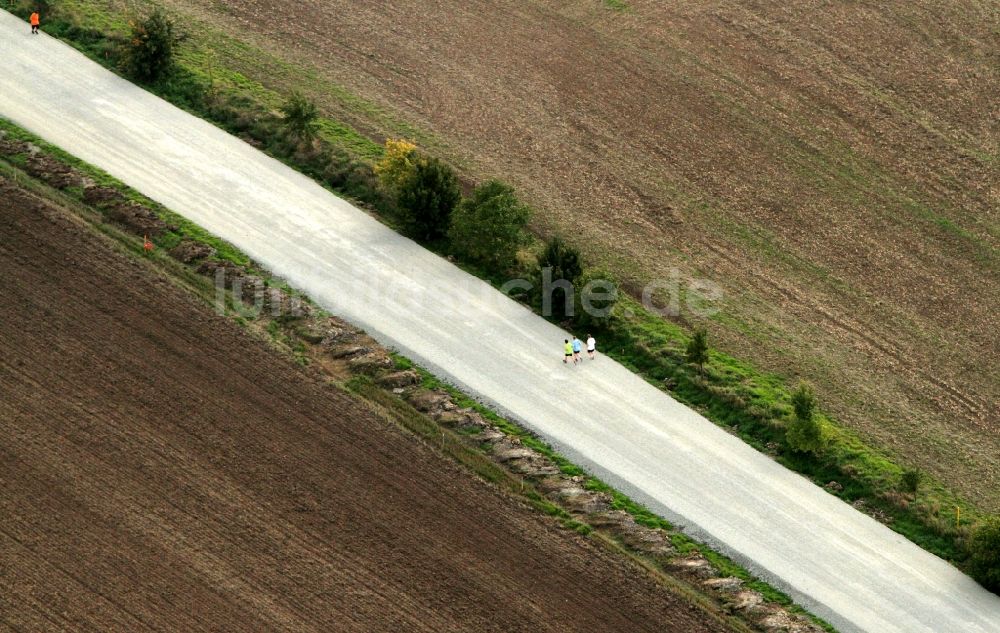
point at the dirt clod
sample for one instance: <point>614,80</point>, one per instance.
<point>53,172</point>
<point>99,195</point>
<point>348,351</point>
<point>428,401</point>
<point>695,565</point>
<point>727,584</point>
<point>396,379</point>
<point>137,219</point>
<point>188,251</point>
<point>11,147</point>
<point>747,600</point>
<point>371,364</point>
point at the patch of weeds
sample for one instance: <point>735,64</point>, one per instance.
<point>274,330</point>
<point>401,363</point>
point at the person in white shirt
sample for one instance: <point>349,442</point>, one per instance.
<point>591,347</point>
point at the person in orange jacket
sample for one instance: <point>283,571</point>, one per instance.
<point>35,21</point>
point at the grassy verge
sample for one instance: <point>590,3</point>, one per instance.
<point>734,395</point>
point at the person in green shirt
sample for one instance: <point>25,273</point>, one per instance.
<point>568,348</point>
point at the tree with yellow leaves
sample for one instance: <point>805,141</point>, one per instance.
<point>397,165</point>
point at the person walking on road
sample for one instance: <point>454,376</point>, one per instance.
<point>568,347</point>
<point>591,347</point>
<point>35,21</point>
<point>577,346</point>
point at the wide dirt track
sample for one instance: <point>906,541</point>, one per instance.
<point>160,469</point>
<point>834,166</point>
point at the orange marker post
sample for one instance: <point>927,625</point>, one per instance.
<point>146,244</point>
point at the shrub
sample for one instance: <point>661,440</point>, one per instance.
<point>697,349</point>
<point>805,433</point>
<point>596,299</point>
<point>559,269</point>
<point>804,402</point>
<point>984,554</point>
<point>148,54</point>
<point>301,117</point>
<point>352,177</point>
<point>44,7</point>
<point>398,163</point>
<point>563,259</point>
<point>910,480</point>
<point>488,228</point>
<point>427,197</point>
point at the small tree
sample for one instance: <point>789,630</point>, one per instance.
<point>804,402</point>
<point>697,349</point>
<point>301,117</point>
<point>596,299</point>
<point>148,55</point>
<point>984,554</point>
<point>910,480</point>
<point>488,228</point>
<point>563,259</point>
<point>397,164</point>
<point>427,197</point>
<point>805,433</point>
<point>559,269</point>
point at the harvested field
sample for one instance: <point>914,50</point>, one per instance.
<point>163,470</point>
<point>834,166</point>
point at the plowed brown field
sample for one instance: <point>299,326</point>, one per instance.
<point>833,165</point>
<point>162,470</point>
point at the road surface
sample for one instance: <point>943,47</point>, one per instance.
<point>836,561</point>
